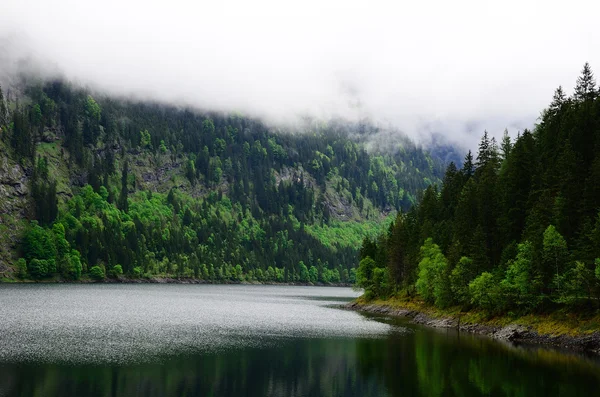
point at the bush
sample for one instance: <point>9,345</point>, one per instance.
<point>97,273</point>
<point>38,268</point>
<point>137,272</point>
<point>116,271</point>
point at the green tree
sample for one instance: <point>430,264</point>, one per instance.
<point>483,292</point>
<point>555,252</point>
<point>97,273</point>
<point>38,243</point>
<point>124,196</point>
<point>460,278</point>
<point>313,274</point>
<point>304,275</point>
<point>38,268</point>
<point>21,267</point>
<point>432,282</point>
<point>145,140</point>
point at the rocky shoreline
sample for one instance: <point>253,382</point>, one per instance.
<point>512,333</point>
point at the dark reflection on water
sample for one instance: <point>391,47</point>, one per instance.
<point>421,362</point>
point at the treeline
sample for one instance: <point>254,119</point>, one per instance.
<point>252,203</point>
<point>516,229</point>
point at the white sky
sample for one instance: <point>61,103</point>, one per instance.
<point>452,67</point>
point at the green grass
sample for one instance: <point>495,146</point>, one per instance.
<point>560,322</point>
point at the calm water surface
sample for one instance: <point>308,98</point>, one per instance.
<point>202,340</point>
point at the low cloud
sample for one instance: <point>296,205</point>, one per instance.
<point>451,69</point>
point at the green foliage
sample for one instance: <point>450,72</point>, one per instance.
<point>97,273</point>
<point>21,268</point>
<point>555,252</point>
<point>92,109</point>
<point>72,267</point>
<point>432,282</point>
<point>137,272</point>
<point>313,274</point>
<point>577,284</point>
<point>483,291</point>
<point>39,268</point>
<point>258,197</point>
<point>116,271</point>
<point>145,140</point>
<point>38,243</point>
<point>519,283</point>
<point>364,273</point>
<point>304,275</point>
<point>460,278</point>
<point>522,217</point>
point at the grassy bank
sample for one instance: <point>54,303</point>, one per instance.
<point>554,324</point>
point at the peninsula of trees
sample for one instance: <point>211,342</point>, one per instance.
<point>517,229</point>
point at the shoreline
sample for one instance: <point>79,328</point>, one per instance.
<point>166,280</point>
<point>513,332</point>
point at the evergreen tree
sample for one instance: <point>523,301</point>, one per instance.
<point>585,89</point>
<point>123,197</point>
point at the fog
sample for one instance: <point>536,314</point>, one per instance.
<point>433,66</point>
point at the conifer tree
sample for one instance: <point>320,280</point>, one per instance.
<point>123,203</point>
<point>585,89</point>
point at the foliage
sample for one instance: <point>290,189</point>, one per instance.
<point>519,224</point>
<point>482,291</point>
<point>432,282</point>
<point>97,273</point>
<point>21,268</point>
<point>174,192</point>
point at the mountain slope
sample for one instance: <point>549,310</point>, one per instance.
<point>151,190</point>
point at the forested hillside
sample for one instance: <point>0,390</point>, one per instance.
<point>517,229</point>
<point>93,186</point>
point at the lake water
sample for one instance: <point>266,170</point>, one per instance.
<point>204,340</point>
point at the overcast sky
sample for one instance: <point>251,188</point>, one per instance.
<point>452,67</point>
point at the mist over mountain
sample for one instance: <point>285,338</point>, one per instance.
<point>454,69</point>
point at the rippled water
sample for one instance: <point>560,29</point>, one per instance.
<point>197,340</point>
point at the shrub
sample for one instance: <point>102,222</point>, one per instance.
<point>116,271</point>
<point>38,268</point>
<point>137,272</point>
<point>97,273</point>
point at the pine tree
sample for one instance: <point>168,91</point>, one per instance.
<point>468,168</point>
<point>558,101</point>
<point>123,203</point>
<point>586,85</point>
<point>484,155</point>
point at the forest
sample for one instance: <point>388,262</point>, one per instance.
<point>515,230</point>
<point>110,188</point>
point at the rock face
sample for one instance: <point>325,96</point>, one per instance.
<point>14,188</point>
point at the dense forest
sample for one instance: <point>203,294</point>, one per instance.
<point>98,187</point>
<point>516,230</point>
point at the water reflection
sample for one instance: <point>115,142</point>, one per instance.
<point>252,341</point>
<point>421,363</point>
